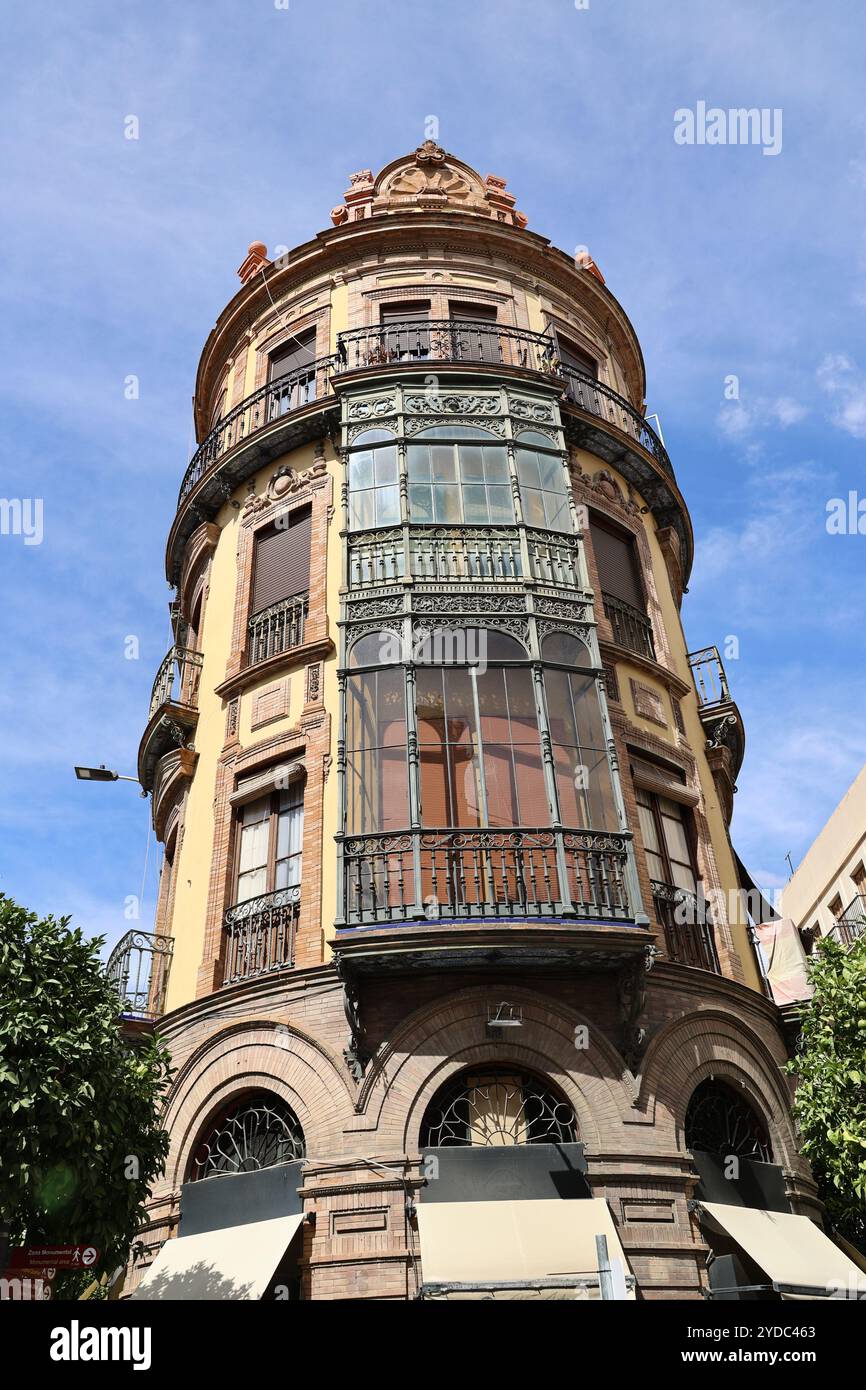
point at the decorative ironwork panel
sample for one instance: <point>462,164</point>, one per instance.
<point>594,398</point>
<point>138,969</point>
<point>711,682</point>
<point>498,1109</point>
<point>260,934</point>
<point>688,927</point>
<point>258,1133</point>
<point>852,923</point>
<point>632,629</point>
<point>720,1121</point>
<point>278,628</point>
<point>177,680</point>
<point>445,340</point>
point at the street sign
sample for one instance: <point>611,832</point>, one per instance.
<point>42,1257</point>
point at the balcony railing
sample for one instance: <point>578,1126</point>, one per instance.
<point>485,873</point>
<point>271,401</point>
<point>138,969</point>
<point>459,553</point>
<point>632,629</point>
<point>445,340</point>
<point>594,398</point>
<point>260,934</point>
<point>852,923</point>
<point>708,673</point>
<point>688,927</point>
<point>177,680</point>
<point>278,628</point>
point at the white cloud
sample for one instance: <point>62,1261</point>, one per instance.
<point>738,421</point>
<point>838,376</point>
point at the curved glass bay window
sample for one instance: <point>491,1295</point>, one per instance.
<point>454,805</point>
<point>457,475</point>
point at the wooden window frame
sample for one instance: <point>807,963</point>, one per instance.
<point>273,799</point>
<point>688,824</point>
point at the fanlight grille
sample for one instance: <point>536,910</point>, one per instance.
<point>719,1121</point>
<point>260,1132</point>
<point>497,1109</point>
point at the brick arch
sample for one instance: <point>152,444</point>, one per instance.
<point>710,1043</point>
<point>440,1040</point>
<point>249,1057</point>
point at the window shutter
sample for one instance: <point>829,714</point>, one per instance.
<point>282,562</point>
<point>472,312</point>
<point>617,565</point>
<point>400,313</point>
<point>572,356</point>
<point>299,352</point>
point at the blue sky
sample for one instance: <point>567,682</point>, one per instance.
<point>120,254</point>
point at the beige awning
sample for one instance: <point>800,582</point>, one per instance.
<point>795,1255</point>
<point>532,1249</point>
<point>237,1262</point>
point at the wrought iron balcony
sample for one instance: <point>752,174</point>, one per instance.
<point>138,969</point>
<point>277,629</point>
<point>177,680</point>
<point>592,397</point>
<point>453,341</point>
<point>632,629</point>
<point>465,874</point>
<point>719,715</point>
<point>260,934</point>
<point>271,402</point>
<point>688,927</point>
<point>711,682</point>
<point>852,923</point>
<point>444,554</point>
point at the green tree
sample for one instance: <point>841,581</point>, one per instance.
<point>80,1139</point>
<point>830,1066</point>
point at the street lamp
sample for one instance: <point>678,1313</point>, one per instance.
<point>101,774</point>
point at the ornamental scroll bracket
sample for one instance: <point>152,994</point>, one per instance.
<point>631,997</point>
<point>357,1054</point>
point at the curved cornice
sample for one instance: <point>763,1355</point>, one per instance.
<point>347,249</point>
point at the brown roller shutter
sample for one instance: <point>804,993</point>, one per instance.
<point>617,565</point>
<point>282,562</point>
<point>299,352</point>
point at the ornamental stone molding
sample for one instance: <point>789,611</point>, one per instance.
<point>429,178</point>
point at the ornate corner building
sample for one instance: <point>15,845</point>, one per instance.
<point>442,949</point>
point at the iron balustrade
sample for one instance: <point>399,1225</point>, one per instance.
<point>632,629</point>
<point>138,969</point>
<point>260,934</point>
<point>485,873</point>
<point>480,342</point>
<point>708,673</point>
<point>278,628</point>
<point>688,927</point>
<point>851,925</point>
<point>591,396</point>
<point>270,402</point>
<point>458,553</point>
<point>177,680</point>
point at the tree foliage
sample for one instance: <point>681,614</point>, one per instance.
<point>830,1102</point>
<point>80,1139</point>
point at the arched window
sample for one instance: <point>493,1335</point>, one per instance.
<point>479,740</point>
<point>582,769</point>
<point>497,1107</point>
<point>374,488</point>
<point>256,1132</point>
<point>543,482</point>
<point>719,1120</point>
<point>459,474</point>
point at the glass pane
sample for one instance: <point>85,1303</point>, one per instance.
<point>387,506</point>
<point>552,472</point>
<point>360,471</point>
<point>559,708</point>
<point>475,503</point>
<point>557,512</point>
<point>420,502</point>
<point>675,839</point>
<point>500,785</point>
<point>252,884</point>
<point>534,437</point>
<point>500,504</point>
<point>684,878</point>
<point>290,831</point>
<point>648,831</point>
<point>444,463</point>
<point>584,693</point>
<point>446,503</point>
<point>373,437</point>
<point>418,463</point>
<point>288,872</point>
<point>471,463</point>
<point>656,866</point>
<point>527,468</point>
<point>362,510</point>
<point>385,463</point>
<point>455,432</point>
<point>254,846</point>
<point>561,646</point>
<point>496,465</point>
<point>533,508</point>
